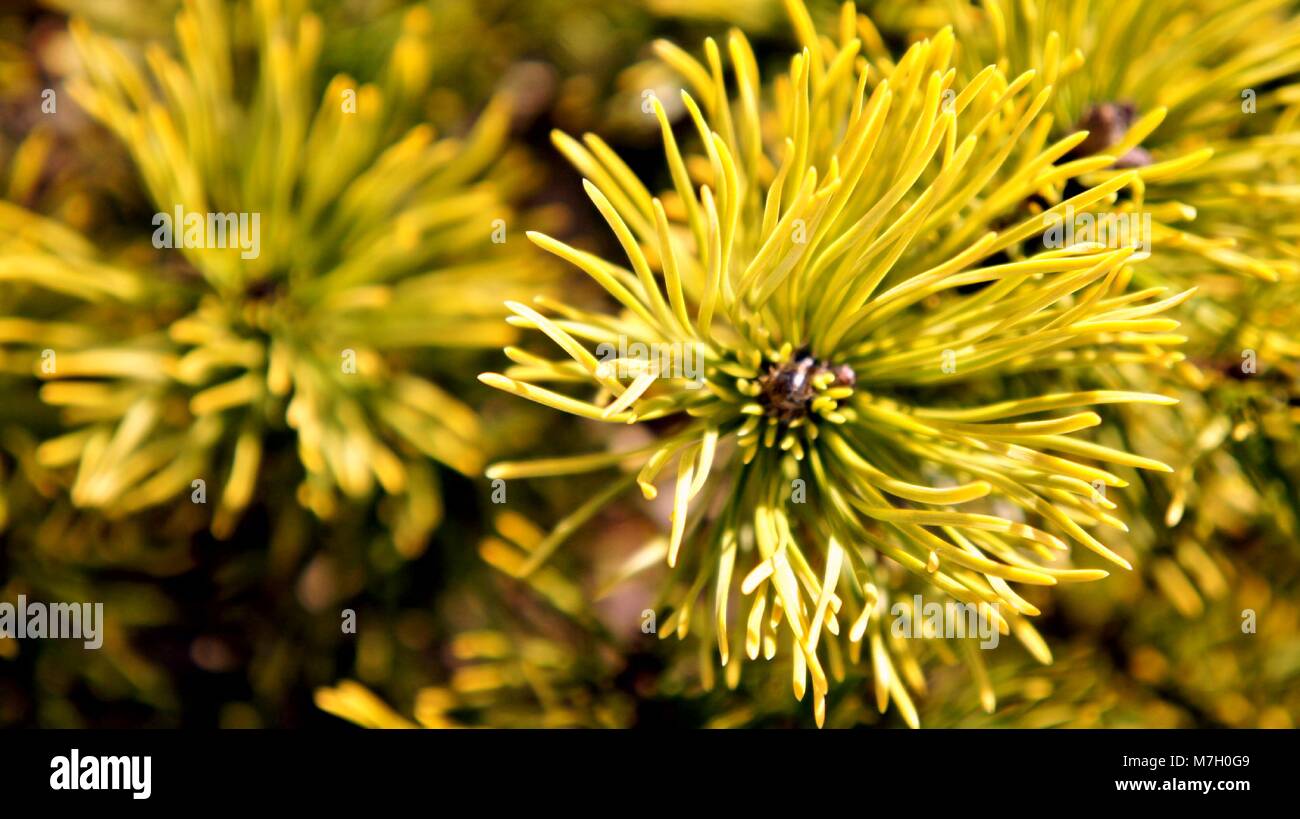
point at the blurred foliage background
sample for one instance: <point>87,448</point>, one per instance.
<point>243,629</point>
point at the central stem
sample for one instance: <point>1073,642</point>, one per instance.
<point>790,386</point>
